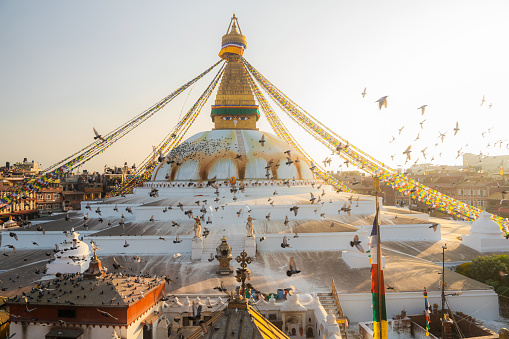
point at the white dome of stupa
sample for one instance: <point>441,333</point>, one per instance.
<point>232,153</point>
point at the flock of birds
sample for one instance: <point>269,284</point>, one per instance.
<point>427,154</point>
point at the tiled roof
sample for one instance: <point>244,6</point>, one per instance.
<point>241,323</point>
<point>112,290</point>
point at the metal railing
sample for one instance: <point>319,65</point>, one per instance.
<point>341,318</point>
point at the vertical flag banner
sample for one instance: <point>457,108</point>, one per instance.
<point>427,311</point>
<point>377,285</point>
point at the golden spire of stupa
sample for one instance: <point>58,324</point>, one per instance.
<point>235,107</point>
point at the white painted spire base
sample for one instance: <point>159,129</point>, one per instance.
<point>196,248</point>
<point>250,246</point>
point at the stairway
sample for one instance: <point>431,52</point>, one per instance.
<point>329,304</point>
<point>210,243</point>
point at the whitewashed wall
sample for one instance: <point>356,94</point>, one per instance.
<point>411,232</point>
<point>334,241</point>
<point>45,241</point>
<point>140,245</point>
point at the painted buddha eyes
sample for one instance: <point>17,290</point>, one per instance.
<point>231,118</point>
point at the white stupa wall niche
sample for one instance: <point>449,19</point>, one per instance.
<point>486,235</point>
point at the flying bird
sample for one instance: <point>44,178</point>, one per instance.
<point>106,314</point>
<point>456,129</point>
<point>482,102</point>
<point>422,122</point>
<point>434,226</point>
<point>407,152</point>
<point>357,243</point>
<point>262,140</point>
<point>285,243</point>
<point>116,265</point>
<point>382,102</point>
<point>177,241</point>
<point>196,311</point>
<point>422,108</point>
<point>97,135</point>
<point>364,92</point>
<point>292,268</point>
<point>442,135</point>
<point>221,287</point>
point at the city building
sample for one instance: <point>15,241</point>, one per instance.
<point>93,305</point>
<point>49,199</point>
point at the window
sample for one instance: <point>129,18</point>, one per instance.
<point>67,313</point>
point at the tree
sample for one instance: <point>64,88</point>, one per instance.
<point>487,270</point>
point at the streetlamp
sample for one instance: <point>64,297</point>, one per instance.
<point>443,286</point>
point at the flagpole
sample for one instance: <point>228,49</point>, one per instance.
<point>376,182</point>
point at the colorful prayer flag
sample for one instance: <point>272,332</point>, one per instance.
<point>377,291</point>
<point>427,312</point>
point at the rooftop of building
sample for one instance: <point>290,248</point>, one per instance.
<point>111,290</point>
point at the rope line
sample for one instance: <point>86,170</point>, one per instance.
<point>362,160</point>
<point>169,142</point>
<point>85,154</point>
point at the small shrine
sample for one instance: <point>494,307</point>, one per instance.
<point>71,256</point>
<point>224,256</point>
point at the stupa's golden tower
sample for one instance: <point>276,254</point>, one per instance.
<point>235,107</point>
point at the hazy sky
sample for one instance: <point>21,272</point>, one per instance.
<point>68,66</point>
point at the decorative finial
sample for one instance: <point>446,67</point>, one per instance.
<point>243,259</point>
<point>376,184</point>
